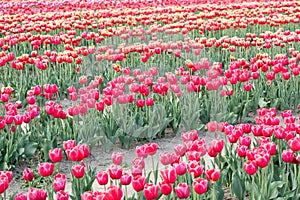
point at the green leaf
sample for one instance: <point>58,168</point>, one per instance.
<point>30,149</point>
<point>238,186</point>
<point>262,103</point>
<point>219,193</point>
<point>273,192</point>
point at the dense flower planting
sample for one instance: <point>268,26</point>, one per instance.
<point>80,74</point>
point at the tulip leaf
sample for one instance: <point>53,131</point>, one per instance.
<point>273,189</point>
<point>30,149</point>
<point>238,186</point>
<point>219,193</point>
<point>262,103</point>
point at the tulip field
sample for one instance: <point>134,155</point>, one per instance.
<point>85,77</point>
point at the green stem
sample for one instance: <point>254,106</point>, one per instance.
<point>252,191</point>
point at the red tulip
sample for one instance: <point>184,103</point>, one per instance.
<point>37,194</point>
<point>250,167</point>
<point>115,171</point>
<point>212,126</point>
<point>139,161</point>
<point>8,175</point>
<point>287,156</point>
<point>189,136</point>
<point>150,191</point>
<point>294,144</point>
<point>78,171</point>
<point>20,196</point>
<point>30,99</point>
<point>62,195</point>
<point>165,188</point>
<point>59,182</point>
<point>115,192</point>
<point>125,179</point>
<point>89,195</point>
<point>169,174</point>
<point>180,149</point>
<point>117,158</point>
<point>245,140</point>
<point>140,103</point>
<point>100,106</point>
<point>75,154</point>
<point>180,168</point>
<point>28,175</point>
<point>70,144</point>
<point>151,148</point>
<point>242,150</point>
<point>200,185</point>
<point>195,168</point>
<point>136,170</point>
<point>182,190</point>
<point>149,101</point>
<point>102,178</point>
<point>165,158</point>
<point>138,183</point>
<point>212,174</point>
<point>4,183</point>
<point>46,169</point>
<point>55,155</point>
<point>85,149</point>
<point>247,86</point>
<point>141,151</point>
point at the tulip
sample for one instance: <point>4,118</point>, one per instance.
<point>189,136</point>
<point>180,168</point>
<point>37,194</point>
<point>20,196</point>
<point>55,155</point>
<point>62,195</point>
<point>242,150</point>
<point>150,191</point>
<point>125,179</point>
<point>28,174</point>
<point>212,126</point>
<point>102,178</point>
<point>182,190</point>
<point>140,103</point>
<point>169,174</point>
<point>250,167</point>
<point>136,170</point>
<point>75,154</point>
<point>117,158</point>
<point>200,185</point>
<point>195,169</point>
<point>294,144</point>
<point>212,174</point>
<point>89,195</point>
<point>165,188</point>
<point>115,192</point>
<point>149,101</point>
<point>165,158</point>
<point>151,148</point>
<point>70,144</point>
<point>115,171</point>
<point>4,183</point>
<point>141,151</point>
<point>78,171</point>
<point>59,182</point>
<point>138,183</point>
<point>245,140</point>
<point>180,149</point>
<point>287,156</point>
<point>46,169</point>
<point>85,149</point>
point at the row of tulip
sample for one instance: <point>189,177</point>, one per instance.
<point>268,151</point>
